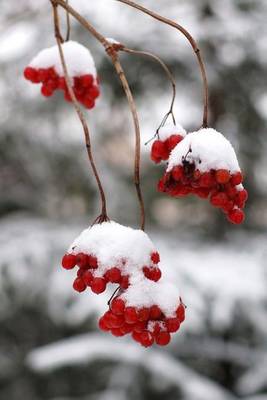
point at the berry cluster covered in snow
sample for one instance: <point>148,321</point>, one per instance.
<point>46,68</point>
<point>168,137</point>
<point>204,163</point>
<point>145,306</point>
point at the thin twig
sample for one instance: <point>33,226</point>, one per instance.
<point>68,23</point>
<point>103,217</point>
<point>168,73</point>
<point>191,41</point>
<point>112,50</point>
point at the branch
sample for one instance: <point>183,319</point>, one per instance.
<point>192,43</point>
<point>103,216</point>
<point>112,50</point>
<point>168,73</point>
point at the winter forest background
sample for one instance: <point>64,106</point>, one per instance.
<point>50,347</point>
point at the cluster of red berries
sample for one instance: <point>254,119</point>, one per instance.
<point>147,325</point>
<point>86,88</point>
<point>223,189</point>
<point>161,150</point>
<point>88,264</point>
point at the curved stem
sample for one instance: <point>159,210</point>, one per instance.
<point>192,43</point>
<point>127,90</point>
<point>68,24</point>
<point>168,73</point>
<point>103,217</point>
<point>112,50</point>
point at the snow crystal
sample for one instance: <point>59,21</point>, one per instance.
<point>170,129</point>
<point>78,59</point>
<point>114,245</point>
<point>209,150</point>
<point>148,293</point>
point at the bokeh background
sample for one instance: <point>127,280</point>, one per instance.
<point>50,347</point>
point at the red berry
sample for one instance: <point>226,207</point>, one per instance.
<point>117,306</point>
<point>163,338</point>
<point>180,312</point>
<point>62,83</point>
<point>82,260</point>
<point>92,261</point>
<point>172,324</point>
<point>102,325</point>
<point>68,261</point>
<point>155,257</point>
<point>136,336</point>
<point>46,91</point>
<point>94,92</point>
<point>155,274</point>
<point>143,314</point>
<point>173,140</point>
<point>98,285</point>
<point>31,74</point>
<point>157,151</point>
<point>236,216</point>
<point>130,315</point>
<point>222,176</point>
<point>219,199</point>
<point>80,273</point>
<point>237,178</point>
<point>177,173</point>
<point>113,275</point>
<point>146,339</point>
<point>155,312</point>
<point>207,180</point>
<point>117,332</point>
<point>140,326</point>
<point>203,193</point>
<point>79,285</point>
<point>242,195</point>
<point>88,277</point>
<point>86,80</point>
<point>126,328</point>
<point>89,103</point>
<point>124,282</point>
<point>112,320</point>
<point>197,174</point>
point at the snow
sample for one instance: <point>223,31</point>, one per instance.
<point>170,129</point>
<point>209,150</point>
<point>115,245</point>
<point>147,293</point>
<point>78,59</point>
<point>84,349</point>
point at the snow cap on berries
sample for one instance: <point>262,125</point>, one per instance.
<point>111,243</point>
<point>146,294</point>
<point>170,129</point>
<point>78,59</point>
<point>208,149</point>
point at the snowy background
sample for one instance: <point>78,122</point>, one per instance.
<point>50,347</point>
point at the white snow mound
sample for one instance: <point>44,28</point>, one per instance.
<point>112,244</point>
<point>78,59</point>
<point>210,150</point>
<point>170,129</point>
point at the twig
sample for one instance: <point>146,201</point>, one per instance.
<point>191,41</point>
<point>168,73</point>
<point>103,216</point>
<point>68,23</point>
<point>112,50</point>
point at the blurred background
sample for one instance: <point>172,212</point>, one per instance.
<point>50,347</point>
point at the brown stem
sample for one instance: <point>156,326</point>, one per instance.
<point>191,41</point>
<point>103,217</point>
<point>167,71</point>
<point>68,23</point>
<point>116,62</point>
<point>112,50</point>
